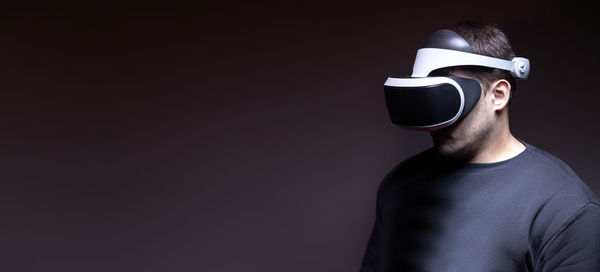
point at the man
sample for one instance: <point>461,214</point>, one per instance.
<point>479,199</point>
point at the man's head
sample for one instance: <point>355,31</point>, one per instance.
<point>486,39</point>
<point>489,117</point>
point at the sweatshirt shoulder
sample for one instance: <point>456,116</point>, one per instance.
<point>410,167</point>
<point>558,196</point>
<point>553,172</point>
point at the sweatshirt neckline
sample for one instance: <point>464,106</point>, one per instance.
<point>472,166</point>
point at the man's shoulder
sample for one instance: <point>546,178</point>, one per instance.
<point>554,172</point>
<point>414,164</point>
<point>543,158</point>
<point>409,167</point>
<point>561,196</point>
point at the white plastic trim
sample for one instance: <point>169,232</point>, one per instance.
<point>429,59</point>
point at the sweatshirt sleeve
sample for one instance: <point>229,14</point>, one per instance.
<point>372,256</point>
<point>370,259</point>
<point>576,246</point>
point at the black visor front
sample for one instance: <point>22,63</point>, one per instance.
<point>422,106</point>
<point>430,106</point>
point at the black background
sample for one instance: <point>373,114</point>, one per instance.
<point>241,136</point>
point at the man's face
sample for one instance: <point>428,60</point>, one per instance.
<point>467,135</point>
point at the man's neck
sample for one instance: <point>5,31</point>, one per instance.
<point>499,147</point>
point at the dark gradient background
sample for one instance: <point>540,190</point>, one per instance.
<point>241,136</point>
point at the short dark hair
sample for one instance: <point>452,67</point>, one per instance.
<point>485,38</point>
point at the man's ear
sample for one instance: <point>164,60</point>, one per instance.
<point>500,94</point>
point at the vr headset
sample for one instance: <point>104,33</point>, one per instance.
<point>428,102</point>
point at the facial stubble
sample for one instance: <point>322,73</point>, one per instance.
<point>467,136</point>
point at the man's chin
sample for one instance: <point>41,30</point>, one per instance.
<point>443,150</point>
<point>453,150</point>
<point>442,143</point>
<point>447,147</point>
